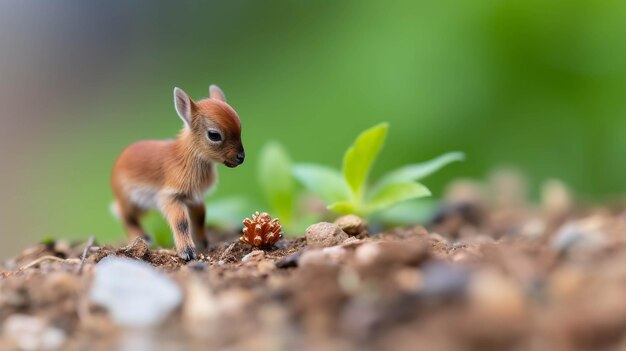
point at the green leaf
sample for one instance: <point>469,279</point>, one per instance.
<point>276,180</point>
<point>325,182</point>
<point>343,207</point>
<point>47,240</point>
<point>418,171</point>
<point>393,193</point>
<point>360,156</point>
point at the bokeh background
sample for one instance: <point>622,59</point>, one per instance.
<point>535,85</point>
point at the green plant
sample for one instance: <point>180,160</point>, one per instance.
<point>348,191</point>
<point>281,191</point>
<point>277,181</point>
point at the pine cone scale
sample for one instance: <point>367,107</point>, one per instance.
<point>261,230</point>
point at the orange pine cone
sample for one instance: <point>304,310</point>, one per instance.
<point>261,230</point>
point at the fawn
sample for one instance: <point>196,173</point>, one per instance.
<point>174,175</point>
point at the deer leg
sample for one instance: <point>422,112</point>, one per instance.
<point>130,216</point>
<point>175,213</point>
<point>198,232</point>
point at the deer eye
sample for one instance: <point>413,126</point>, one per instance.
<point>214,136</point>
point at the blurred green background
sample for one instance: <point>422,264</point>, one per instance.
<point>537,85</point>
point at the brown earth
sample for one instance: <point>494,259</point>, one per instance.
<point>503,278</point>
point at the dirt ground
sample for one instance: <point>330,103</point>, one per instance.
<point>498,277</point>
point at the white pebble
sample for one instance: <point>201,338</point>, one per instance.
<point>135,293</point>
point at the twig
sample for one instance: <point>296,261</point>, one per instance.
<point>228,250</point>
<point>46,258</point>
<point>90,242</point>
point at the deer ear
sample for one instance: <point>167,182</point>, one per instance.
<point>216,93</point>
<point>184,105</point>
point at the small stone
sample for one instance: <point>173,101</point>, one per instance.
<point>197,266</point>
<point>289,261</point>
<point>441,280</point>
<point>352,241</point>
<point>450,218</point>
<point>556,198</point>
<point>405,252</point>
<point>367,253</point>
<point>349,280</point>
<point>32,333</point>
<point>509,188</point>
<point>333,255</point>
<point>254,256</point>
<point>200,303</point>
<point>324,234</point>
<point>135,293</point>
<point>466,191</point>
<point>352,225</point>
<point>313,258</point>
<point>63,247</point>
<point>534,229</point>
<point>575,236</point>
<point>282,244</point>
<point>496,296</point>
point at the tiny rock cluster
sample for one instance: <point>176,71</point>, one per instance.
<point>261,230</point>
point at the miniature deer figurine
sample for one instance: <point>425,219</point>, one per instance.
<point>174,175</point>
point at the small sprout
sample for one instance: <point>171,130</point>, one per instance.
<point>261,230</point>
<point>349,192</point>
<point>277,182</point>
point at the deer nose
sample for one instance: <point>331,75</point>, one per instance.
<point>241,156</point>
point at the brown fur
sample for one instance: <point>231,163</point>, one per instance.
<point>174,175</point>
